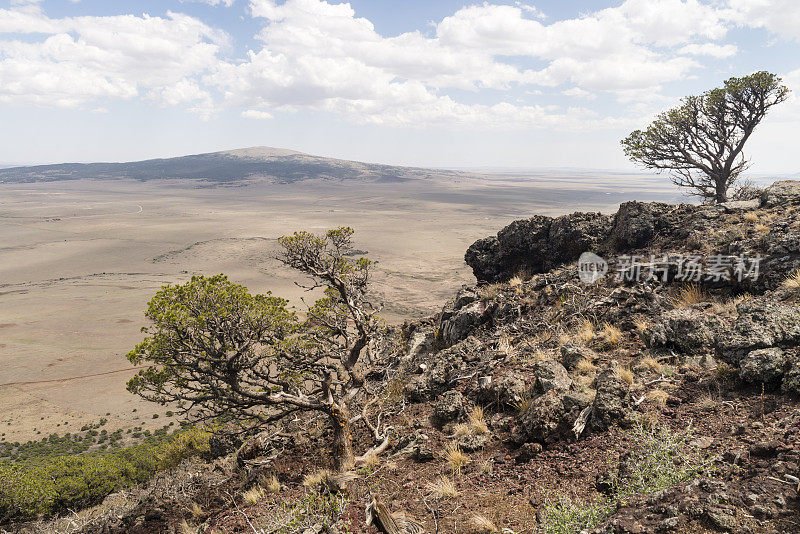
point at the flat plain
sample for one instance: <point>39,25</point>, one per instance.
<point>80,259</point>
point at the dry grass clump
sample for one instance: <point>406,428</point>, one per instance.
<point>524,404</point>
<point>516,281</point>
<point>370,459</point>
<point>585,367</point>
<point>657,397</point>
<point>624,374</point>
<point>751,217</point>
<point>762,228</point>
<point>196,510</point>
<point>477,421</point>
<point>586,332</point>
<point>689,295</point>
<point>272,484</point>
<point>480,524</point>
<point>489,291</point>
<point>444,488</point>
<point>641,324</point>
<point>185,528</point>
<point>792,282</point>
<point>650,364</point>
<point>610,335</point>
<point>455,457</point>
<point>316,479</point>
<point>707,402</point>
<point>253,496</point>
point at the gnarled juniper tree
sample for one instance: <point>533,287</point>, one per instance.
<point>700,142</point>
<point>216,351</point>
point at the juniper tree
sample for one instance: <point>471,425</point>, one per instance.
<point>216,351</point>
<point>700,142</point>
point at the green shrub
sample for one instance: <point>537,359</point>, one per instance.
<point>564,515</point>
<point>42,487</point>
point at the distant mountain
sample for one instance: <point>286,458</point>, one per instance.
<point>275,164</point>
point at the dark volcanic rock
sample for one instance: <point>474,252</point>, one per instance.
<point>762,366</point>
<point>535,245</point>
<point>781,193</point>
<point>612,403</point>
<point>451,406</point>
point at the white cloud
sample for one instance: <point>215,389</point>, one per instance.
<point>781,17</point>
<point>226,3</point>
<point>709,49</point>
<point>81,59</point>
<point>319,55</point>
<point>256,114</point>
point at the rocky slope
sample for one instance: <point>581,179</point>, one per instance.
<point>657,404</point>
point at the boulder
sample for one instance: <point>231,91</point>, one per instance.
<point>633,226</point>
<point>613,401</point>
<point>550,374</point>
<point>535,245</point>
<point>791,379</point>
<point>450,407</point>
<point>758,325</point>
<point>782,193</point>
<point>689,330</point>
<point>512,389</point>
<point>571,355</point>
<point>472,442</point>
<point>551,416</point>
<point>484,258</point>
<point>762,366</point>
<point>463,322</point>
<point>735,206</point>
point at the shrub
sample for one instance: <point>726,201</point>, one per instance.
<point>565,515</point>
<point>51,485</point>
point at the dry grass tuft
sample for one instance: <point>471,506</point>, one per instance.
<point>455,457</point>
<point>610,335</point>
<point>707,402</point>
<point>689,295</point>
<point>371,459</point>
<point>516,281</point>
<point>477,421</point>
<point>650,364</point>
<point>524,404</point>
<point>489,291</point>
<point>751,217</point>
<point>792,282</point>
<point>196,510</point>
<point>762,228</point>
<point>252,496</point>
<point>479,524</point>
<point>641,324</point>
<point>624,374</point>
<point>657,397</point>
<point>585,367</point>
<point>185,528</point>
<point>315,479</point>
<point>272,484</point>
<point>586,332</point>
<point>444,488</point>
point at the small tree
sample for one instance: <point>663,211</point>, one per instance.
<point>700,142</point>
<point>217,351</point>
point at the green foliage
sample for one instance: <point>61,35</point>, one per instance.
<point>45,486</point>
<point>659,459</point>
<point>312,509</point>
<point>565,515</point>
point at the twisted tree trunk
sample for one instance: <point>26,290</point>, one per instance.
<point>343,457</point>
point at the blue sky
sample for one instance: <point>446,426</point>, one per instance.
<point>443,83</point>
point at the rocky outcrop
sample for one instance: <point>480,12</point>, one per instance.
<point>535,245</point>
<point>783,193</point>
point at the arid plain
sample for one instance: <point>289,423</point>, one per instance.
<point>80,259</point>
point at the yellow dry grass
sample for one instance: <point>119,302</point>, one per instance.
<point>624,374</point>
<point>657,397</point>
<point>792,282</point>
<point>751,217</point>
<point>610,335</point>
<point>455,457</point>
<point>689,295</point>
<point>477,421</point>
<point>253,496</point>
<point>480,524</point>
<point>444,488</point>
<point>649,363</point>
<point>585,367</point>
<point>762,228</point>
<point>586,332</point>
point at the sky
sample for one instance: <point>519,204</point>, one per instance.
<point>442,83</point>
